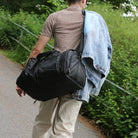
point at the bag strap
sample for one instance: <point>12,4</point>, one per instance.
<point>81,45</point>
<point>79,48</point>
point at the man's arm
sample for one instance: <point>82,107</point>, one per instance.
<point>38,48</point>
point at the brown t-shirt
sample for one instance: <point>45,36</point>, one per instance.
<point>66,27</point>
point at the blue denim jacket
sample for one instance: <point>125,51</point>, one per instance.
<point>96,55</point>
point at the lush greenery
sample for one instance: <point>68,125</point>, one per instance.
<point>48,6</point>
<point>32,22</point>
<point>37,6</point>
<point>118,2</point>
<point>113,110</point>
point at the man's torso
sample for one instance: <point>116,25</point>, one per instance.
<point>66,26</point>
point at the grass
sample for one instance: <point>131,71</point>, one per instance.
<point>9,53</point>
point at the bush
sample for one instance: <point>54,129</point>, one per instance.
<point>115,110</point>
<point>37,6</point>
<point>118,2</point>
<point>33,22</point>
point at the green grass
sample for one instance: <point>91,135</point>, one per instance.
<point>9,53</point>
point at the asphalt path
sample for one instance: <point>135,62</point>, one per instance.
<point>17,114</point>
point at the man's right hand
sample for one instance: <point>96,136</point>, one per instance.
<point>20,91</point>
<point>41,43</point>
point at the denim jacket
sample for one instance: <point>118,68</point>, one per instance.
<point>96,55</point>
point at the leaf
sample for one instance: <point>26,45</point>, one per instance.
<point>130,126</point>
<point>98,121</point>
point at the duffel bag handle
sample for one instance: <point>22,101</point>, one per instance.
<point>45,54</point>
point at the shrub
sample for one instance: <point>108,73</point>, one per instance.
<point>37,6</point>
<point>33,22</point>
<point>115,110</point>
<point>118,2</point>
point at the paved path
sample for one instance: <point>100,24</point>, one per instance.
<point>17,114</point>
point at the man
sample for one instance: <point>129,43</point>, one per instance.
<point>57,117</point>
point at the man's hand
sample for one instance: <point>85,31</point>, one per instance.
<point>20,91</point>
<point>41,43</point>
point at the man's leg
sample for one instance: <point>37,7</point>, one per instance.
<point>65,117</point>
<point>44,119</point>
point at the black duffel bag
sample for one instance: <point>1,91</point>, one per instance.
<point>52,74</point>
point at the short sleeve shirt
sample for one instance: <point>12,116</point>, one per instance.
<point>66,27</point>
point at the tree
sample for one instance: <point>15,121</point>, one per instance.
<point>27,5</point>
<point>118,2</point>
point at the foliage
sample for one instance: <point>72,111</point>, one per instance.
<point>49,6</point>
<point>129,6</point>
<point>37,6</point>
<point>115,110</point>
<point>117,2</point>
<point>56,6</point>
<point>32,22</point>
